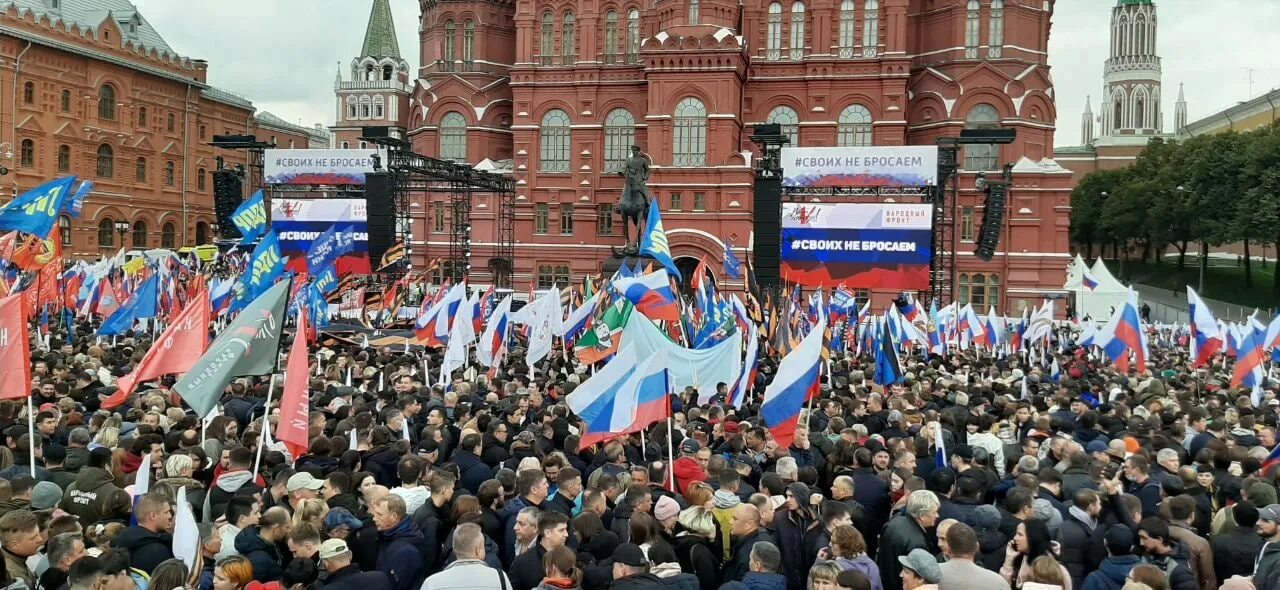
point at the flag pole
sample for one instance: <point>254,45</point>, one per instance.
<point>271,389</point>
<point>31,434</point>
<point>671,449</point>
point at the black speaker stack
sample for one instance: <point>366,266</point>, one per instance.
<point>228,194</point>
<point>381,216</point>
<point>988,237</point>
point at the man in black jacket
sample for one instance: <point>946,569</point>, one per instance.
<point>336,558</point>
<point>527,571</point>
<point>473,471</point>
<point>149,542</point>
<point>1080,539</point>
<point>1238,545</point>
<point>568,486</point>
<point>906,532</point>
<point>427,517</point>
<point>746,533</point>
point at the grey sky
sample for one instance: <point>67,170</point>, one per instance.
<point>283,57</point>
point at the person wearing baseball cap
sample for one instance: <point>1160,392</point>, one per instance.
<point>302,486</point>
<point>1266,571</point>
<point>919,570</point>
<point>344,574</point>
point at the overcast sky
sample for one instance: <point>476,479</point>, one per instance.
<point>283,54</point>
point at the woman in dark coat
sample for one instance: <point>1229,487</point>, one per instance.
<point>694,549</point>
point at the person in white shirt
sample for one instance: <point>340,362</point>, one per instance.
<point>411,489</point>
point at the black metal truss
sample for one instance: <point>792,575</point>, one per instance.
<point>942,265</point>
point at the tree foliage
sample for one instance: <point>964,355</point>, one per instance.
<point>1209,189</point>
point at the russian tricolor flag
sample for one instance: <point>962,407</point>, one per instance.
<point>622,397</point>
<point>1123,334</point>
<point>573,325</point>
<point>1088,281</point>
<point>1206,338</point>
<point>1248,369</point>
<point>738,393</point>
<point>651,294</point>
<point>796,378</point>
<point>1271,461</point>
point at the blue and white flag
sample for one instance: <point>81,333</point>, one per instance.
<point>36,211</point>
<point>251,218</point>
<point>655,242</point>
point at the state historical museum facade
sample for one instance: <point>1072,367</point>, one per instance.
<point>554,93</point>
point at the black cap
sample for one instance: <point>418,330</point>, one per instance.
<point>964,452</point>
<point>1119,535</point>
<point>689,446</point>
<point>630,554</point>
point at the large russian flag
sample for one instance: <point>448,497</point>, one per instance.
<point>651,294</point>
<point>1123,334</point>
<point>1206,338</point>
<point>797,376</point>
<point>1248,369</point>
<point>609,402</point>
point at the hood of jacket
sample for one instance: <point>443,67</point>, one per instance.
<point>404,530</point>
<point>232,481</point>
<point>347,501</point>
<point>93,477</point>
<point>764,581</point>
<point>135,537</point>
<point>1116,569</point>
<point>248,541</point>
<point>688,471</point>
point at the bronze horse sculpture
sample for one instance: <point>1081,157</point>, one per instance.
<point>633,207</point>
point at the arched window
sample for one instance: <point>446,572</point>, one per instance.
<point>364,111</point>
<point>377,106</point>
<point>468,43</point>
<point>633,36</point>
<point>200,182</point>
<point>797,30</point>
<point>568,40</point>
<point>64,158</point>
<point>107,103</point>
<point>142,116</point>
<point>773,37</point>
<point>29,93</point>
<point>202,233</point>
<point>1140,110</point>
<point>27,155</point>
<point>1118,99</point>
<point>139,234</point>
<point>619,136</point>
<point>995,42</point>
<point>387,70</point>
<point>453,137</point>
<point>547,44</point>
<point>690,133</point>
<point>450,40</point>
<point>871,28</point>
<point>140,170</point>
<point>1140,35</point>
<point>168,237</point>
<point>66,101</point>
<point>168,174</point>
<point>972,29</point>
<point>64,230</point>
<point>554,145</point>
<point>982,157</point>
<point>790,122</point>
<point>854,128</point>
<point>847,28</point>
<point>694,8</point>
<point>106,161</point>
<point>106,233</point>
<point>611,37</point>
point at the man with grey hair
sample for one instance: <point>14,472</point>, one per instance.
<point>904,533</point>
<point>787,469</point>
<point>470,570</point>
<point>77,449</point>
<point>526,529</point>
<point>764,561</point>
<point>64,550</point>
<point>1167,465</point>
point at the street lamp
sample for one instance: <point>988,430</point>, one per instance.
<point>1204,251</point>
<point>122,228</point>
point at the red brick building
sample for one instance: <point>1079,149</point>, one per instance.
<point>89,87</point>
<point>553,93</point>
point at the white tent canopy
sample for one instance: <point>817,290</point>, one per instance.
<point>1100,301</point>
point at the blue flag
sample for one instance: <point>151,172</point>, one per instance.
<point>251,218</point>
<point>36,211</point>
<point>327,280</point>
<point>145,301</point>
<point>323,252</point>
<point>76,204</point>
<point>655,241</point>
<point>346,240</point>
<point>120,321</point>
<point>266,264</point>
<point>732,268</point>
<point>317,306</point>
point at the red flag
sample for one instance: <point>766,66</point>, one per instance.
<point>15,350</point>
<point>294,405</point>
<point>176,351</point>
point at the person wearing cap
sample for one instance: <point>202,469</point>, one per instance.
<point>302,486</point>
<point>631,570</point>
<point>687,469</point>
<point>919,570</point>
<point>469,572</point>
<point>45,496</point>
<point>1266,566</point>
<point>764,560</point>
<point>1235,548</point>
<point>344,574</point>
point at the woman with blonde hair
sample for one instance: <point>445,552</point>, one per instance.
<point>108,436</point>
<point>695,546</point>
<point>1046,574</point>
<point>311,510</point>
<point>822,576</point>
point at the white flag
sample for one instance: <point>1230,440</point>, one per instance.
<point>142,483</point>
<point>186,536</point>
<point>354,444</point>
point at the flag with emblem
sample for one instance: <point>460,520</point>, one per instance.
<point>655,242</point>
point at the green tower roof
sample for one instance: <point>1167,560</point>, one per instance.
<point>1133,2</point>
<point>380,37</point>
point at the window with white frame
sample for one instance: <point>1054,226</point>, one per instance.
<point>450,41</point>
<point>972,29</point>
<point>797,30</point>
<point>619,136</point>
<point>633,36</point>
<point>453,137</point>
<point>995,43</point>
<point>611,37</point>
<point>690,133</point>
<point>547,46</point>
<point>854,127</point>
<point>554,144</point>
<point>694,7</point>
<point>568,40</point>
<point>871,28</point>
<point>468,44</point>
<point>984,156</point>
<point>787,118</point>
<point>847,28</point>
<point>773,38</point>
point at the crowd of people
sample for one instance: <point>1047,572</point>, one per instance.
<point>977,471</point>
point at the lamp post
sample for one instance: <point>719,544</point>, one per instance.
<point>1204,251</point>
<point>122,228</point>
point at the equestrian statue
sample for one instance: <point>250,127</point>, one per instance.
<point>634,204</point>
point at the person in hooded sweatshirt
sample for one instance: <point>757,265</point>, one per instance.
<point>95,497</point>
<point>236,480</point>
<point>149,542</point>
<point>1113,571</point>
<point>259,543</point>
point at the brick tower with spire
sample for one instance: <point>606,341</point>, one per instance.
<point>378,90</point>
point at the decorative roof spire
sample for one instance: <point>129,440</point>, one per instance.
<point>380,36</point>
